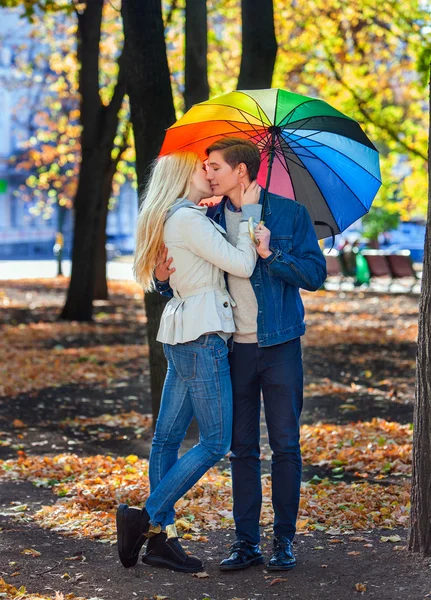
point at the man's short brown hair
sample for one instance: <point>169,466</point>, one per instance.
<point>236,151</point>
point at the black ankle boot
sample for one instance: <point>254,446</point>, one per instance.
<point>132,526</point>
<point>168,552</point>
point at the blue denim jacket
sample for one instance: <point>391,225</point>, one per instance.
<point>296,262</point>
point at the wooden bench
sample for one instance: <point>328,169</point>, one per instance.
<point>401,267</point>
<point>390,266</point>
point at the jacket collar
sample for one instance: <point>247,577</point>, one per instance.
<point>184,202</point>
<point>220,207</point>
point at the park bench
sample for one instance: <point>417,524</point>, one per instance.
<point>390,266</point>
<point>333,264</point>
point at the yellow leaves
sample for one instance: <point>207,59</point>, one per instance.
<point>31,552</point>
<point>131,459</point>
<point>377,446</point>
<point>13,593</point>
<point>183,524</point>
<point>390,538</point>
<point>100,483</point>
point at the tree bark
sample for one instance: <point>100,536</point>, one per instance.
<point>196,49</point>
<point>259,45</point>
<point>152,111</point>
<point>99,128</point>
<point>420,519</point>
<point>100,281</point>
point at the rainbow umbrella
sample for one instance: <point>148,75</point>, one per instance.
<point>310,151</point>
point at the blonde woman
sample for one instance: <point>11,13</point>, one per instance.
<point>194,329</point>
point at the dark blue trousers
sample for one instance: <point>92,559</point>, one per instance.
<point>277,372</point>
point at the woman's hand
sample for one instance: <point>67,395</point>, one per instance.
<point>250,195</point>
<point>263,236</point>
<point>162,272</point>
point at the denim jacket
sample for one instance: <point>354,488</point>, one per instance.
<point>296,262</point>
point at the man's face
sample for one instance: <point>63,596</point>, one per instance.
<point>223,179</point>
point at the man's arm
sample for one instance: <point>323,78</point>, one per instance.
<point>305,265</point>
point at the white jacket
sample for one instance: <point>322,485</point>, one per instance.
<point>201,302</point>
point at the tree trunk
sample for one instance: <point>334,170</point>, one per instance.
<point>196,48</point>
<point>259,45</point>
<point>99,128</point>
<point>152,111</point>
<point>420,520</point>
<point>100,281</point>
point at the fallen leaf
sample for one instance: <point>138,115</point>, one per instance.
<point>201,575</point>
<point>277,580</point>
<point>360,587</point>
<point>354,553</point>
<point>31,552</point>
<point>390,538</point>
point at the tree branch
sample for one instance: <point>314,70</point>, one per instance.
<point>392,133</point>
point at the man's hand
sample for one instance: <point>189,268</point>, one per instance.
<point>162,271</point>
<point>250,195</point>
<point>263,236</point>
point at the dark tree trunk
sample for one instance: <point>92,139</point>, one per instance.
<point>99,128</point>
<point>100,281</point>
<point>420,521</point>
<point>152,111</point>
<point>196,48</point>
<point>259,45</point>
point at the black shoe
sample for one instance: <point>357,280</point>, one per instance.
<point>168,552</point>
<point>132,525</point>
<point>242,555</point>
<point>282,558</point>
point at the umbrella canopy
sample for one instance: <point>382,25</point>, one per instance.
<point>310,151</point>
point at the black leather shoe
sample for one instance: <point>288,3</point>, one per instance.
<point>132,525</point>
<point>242,555</point>
<point>282,558</point>
<point>168,552</point>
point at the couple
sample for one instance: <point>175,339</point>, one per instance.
<point>230,331</point>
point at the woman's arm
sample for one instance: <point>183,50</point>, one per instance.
<point>204,240</point>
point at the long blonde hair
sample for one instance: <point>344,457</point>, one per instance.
<point>170,179</point>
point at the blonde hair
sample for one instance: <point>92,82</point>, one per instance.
<point>170,179</point>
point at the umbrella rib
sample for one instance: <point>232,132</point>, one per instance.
<point>308,102</point>
<point>320,191</point>
<point>341,153</point>
<point>251,125</point>
<point>257,105</point>
<point>339,177</point>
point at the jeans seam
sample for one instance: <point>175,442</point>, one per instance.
<point>169,434</point>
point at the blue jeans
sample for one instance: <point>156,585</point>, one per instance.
<point>197,384</point>
<point>277,372</point>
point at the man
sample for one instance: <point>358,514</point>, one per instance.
<point>266,352</point>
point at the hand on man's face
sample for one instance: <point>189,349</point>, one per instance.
<point>163,271</point>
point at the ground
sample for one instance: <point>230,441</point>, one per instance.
<point>67,388</point>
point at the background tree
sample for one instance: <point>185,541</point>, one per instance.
<point>196,87</point>
<point>152,111</point>
<point>259,45</point>
<point>52,151</point>
<point>420,516</point>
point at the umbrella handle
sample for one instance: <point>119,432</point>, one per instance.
<point>251,227</point>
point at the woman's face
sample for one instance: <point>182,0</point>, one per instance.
<point>200,186</point>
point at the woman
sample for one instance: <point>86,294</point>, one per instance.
<point>194,329</point>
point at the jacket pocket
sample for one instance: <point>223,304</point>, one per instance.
<point>281,244</point>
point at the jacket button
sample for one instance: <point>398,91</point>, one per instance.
<point>225,304</point>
